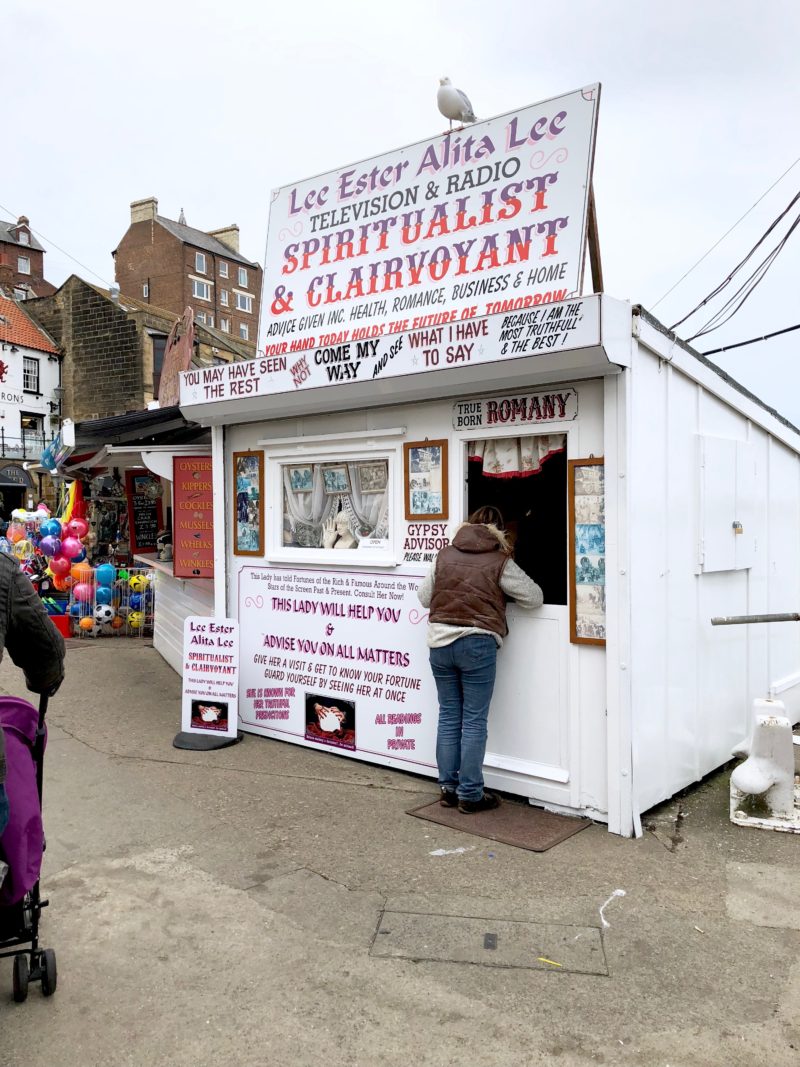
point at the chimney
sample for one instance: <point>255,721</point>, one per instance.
<point>23,220</point>
<point>144,210</point>
<point>228,235</point>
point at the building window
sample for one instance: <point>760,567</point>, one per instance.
<point>20,294</point>
<point>243,277</point>
<point>200,262</point>
<point>223,270</point>
<point>30,374</point>
<point>223,297</point>
<point>23,264</point>
<point>145,291</point>
<point>201,290</point>
<point>200,317</point>
<point>244,331</point>
<point>244,302</point>
<point>32,427</point>
<point>225,325</point>
<point>209,320</point>
<point>159,348</point>
<point>23,238</point>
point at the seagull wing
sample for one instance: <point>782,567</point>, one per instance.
<point>469,114</point>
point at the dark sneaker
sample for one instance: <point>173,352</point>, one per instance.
<point>448,798</point>
<point>486,803</point>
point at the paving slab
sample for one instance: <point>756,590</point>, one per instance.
<point>489,942</point>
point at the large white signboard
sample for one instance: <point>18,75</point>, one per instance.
<point>337,659</point>
<point>433,342</point>
<point>210,676</point>
<point>474,216</point>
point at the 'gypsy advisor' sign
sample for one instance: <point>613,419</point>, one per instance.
<point>210,676</point>
<point>435,343</point>
<point>561,405</point>
<point>474,216</point>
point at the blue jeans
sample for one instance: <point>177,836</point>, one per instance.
<point>464,672</point>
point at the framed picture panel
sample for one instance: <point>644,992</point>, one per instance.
<point>248,504</point>
<point>425,479</point>
<point>587,550</point>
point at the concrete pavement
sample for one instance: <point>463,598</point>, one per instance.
<point>221,908</point>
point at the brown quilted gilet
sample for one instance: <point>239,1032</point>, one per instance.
<point>466,584</point>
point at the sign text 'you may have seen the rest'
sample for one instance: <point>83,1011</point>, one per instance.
<point>450,343</point>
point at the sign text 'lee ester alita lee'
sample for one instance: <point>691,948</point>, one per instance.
<point>471,218</point>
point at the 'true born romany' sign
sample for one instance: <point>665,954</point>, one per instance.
<point>561,405</point>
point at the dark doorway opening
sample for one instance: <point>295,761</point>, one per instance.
<point>535,511</point>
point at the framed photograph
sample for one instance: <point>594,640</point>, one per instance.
<point>587,555</point>
<point>335,479</point>
<point>425,479</point>
<point>373,477</point>
<point>301,479</point>
<point>248,503</point>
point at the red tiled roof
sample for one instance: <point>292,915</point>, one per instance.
<point>17,329</point>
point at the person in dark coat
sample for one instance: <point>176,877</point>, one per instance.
<point>466,590</point>
<point>27,632</point>
<point>30,638</point>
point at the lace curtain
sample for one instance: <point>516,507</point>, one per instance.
<point>515,457</point>
<point>306,512</point>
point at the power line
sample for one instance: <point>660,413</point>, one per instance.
<point>749,286</point>
<point>716,291</point>
<point>63,251</point>
<point>752,341</point>
<point>719,242</point>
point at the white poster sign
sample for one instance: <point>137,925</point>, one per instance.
<point>475,215</point>
<point>338,660</point>
<point>210,676</point>
<point>437,342</point>
<point>525,409</point>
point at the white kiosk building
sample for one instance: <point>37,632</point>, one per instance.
<point>646,491</point>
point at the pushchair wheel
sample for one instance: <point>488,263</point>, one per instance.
<point>49,972</point>
<point>20,978</point>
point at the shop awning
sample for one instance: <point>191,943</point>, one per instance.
<point>14,476</point>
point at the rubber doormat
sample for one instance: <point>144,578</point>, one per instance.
<point>513,824</point>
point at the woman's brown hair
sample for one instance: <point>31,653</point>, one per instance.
<point>487,516</point>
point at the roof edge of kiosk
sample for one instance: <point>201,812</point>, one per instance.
<point>646,317</point>
<point>608,355</point>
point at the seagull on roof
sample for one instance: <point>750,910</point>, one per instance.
<point>454,104</point>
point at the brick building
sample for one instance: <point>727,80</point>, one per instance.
<point>175,266</point>
<point>22,261</point>
<point>113,347</point>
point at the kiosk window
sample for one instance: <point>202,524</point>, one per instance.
<point>330,505</point>
<point>526,478</point>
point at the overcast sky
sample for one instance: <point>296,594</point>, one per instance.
<point>208,106</point>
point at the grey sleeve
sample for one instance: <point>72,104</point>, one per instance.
<point>32,640</point>
<point>425,591</point>
<point>516,584</point>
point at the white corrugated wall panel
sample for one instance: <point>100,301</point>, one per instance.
<point>692,683</point>
<point>176,600</point>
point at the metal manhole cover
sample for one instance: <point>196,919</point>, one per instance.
<point>490,942</point>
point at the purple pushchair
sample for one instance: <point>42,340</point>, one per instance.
<point>21,847</point>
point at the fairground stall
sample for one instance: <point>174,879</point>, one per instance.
<point>426,351</point>
<point>145,480</point>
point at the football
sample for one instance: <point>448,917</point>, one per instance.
<point>103,614</point>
